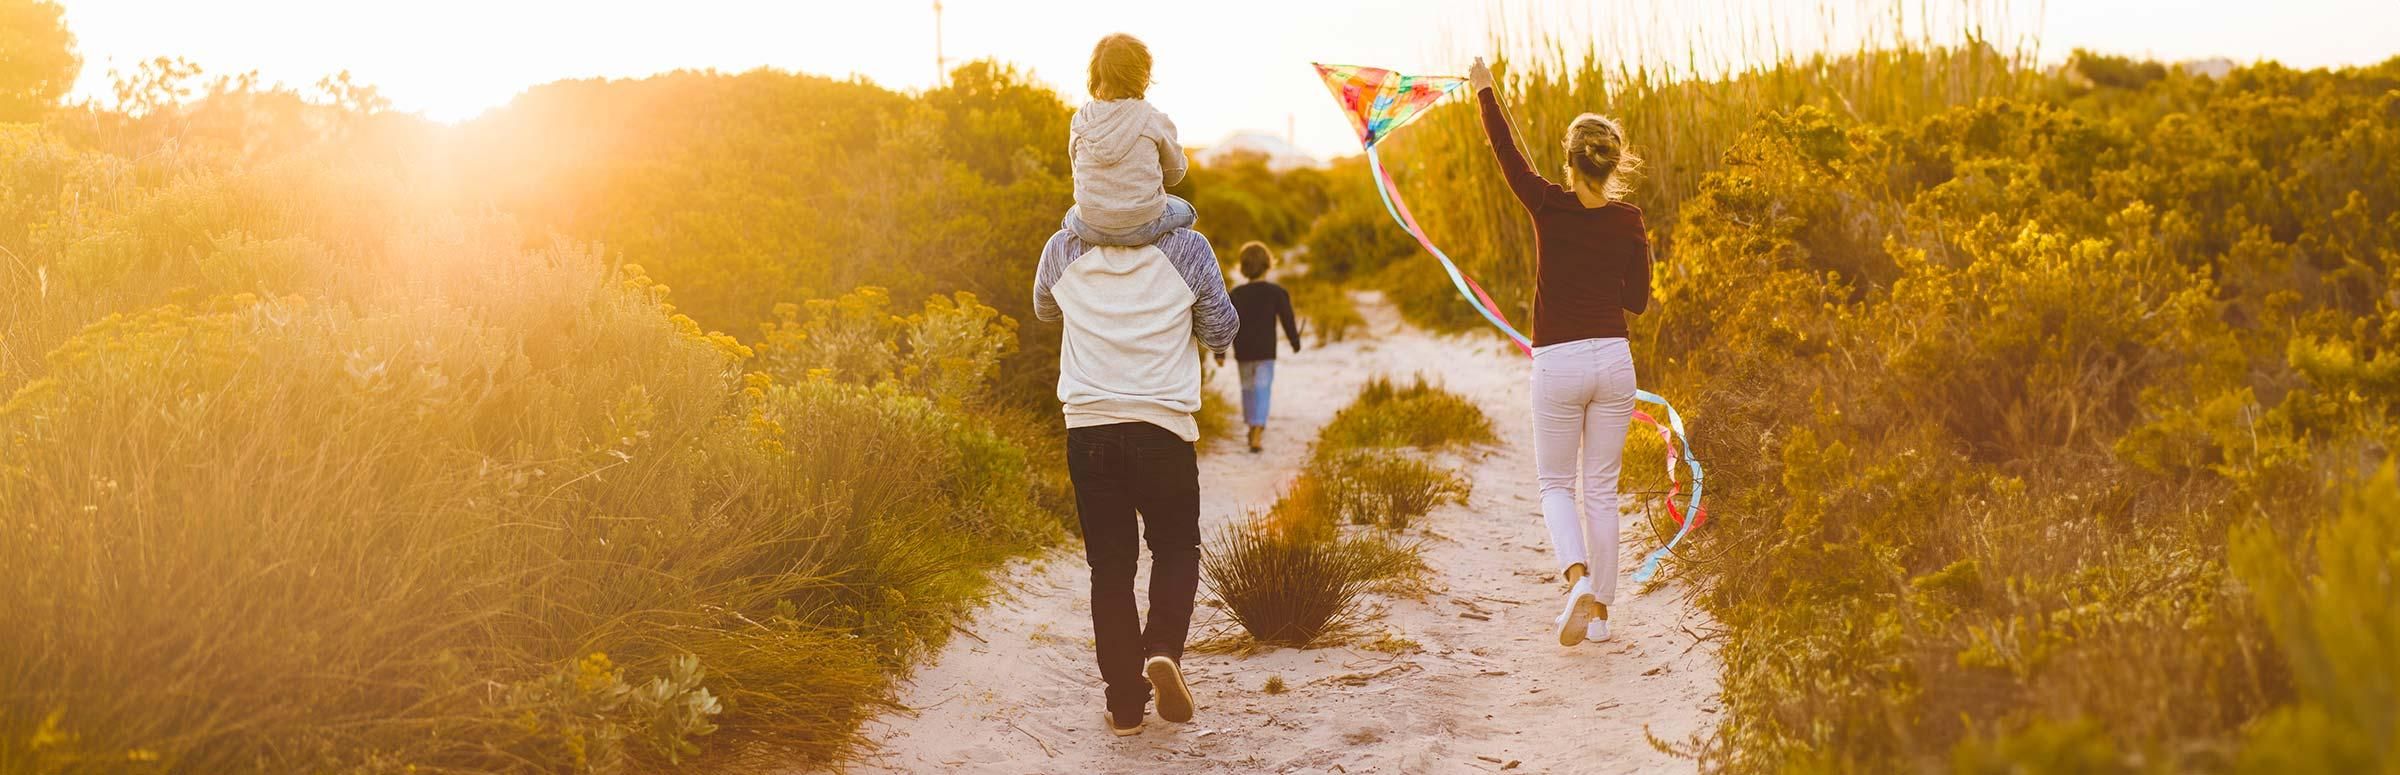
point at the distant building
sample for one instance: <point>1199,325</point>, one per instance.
<point>2212,68</point>
<point>1280,154</point>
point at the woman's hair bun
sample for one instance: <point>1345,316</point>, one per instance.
<point>1596,151</point>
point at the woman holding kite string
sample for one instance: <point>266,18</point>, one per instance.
<point>1592,266</point>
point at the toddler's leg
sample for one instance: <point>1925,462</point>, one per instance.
<point>1179,215</point>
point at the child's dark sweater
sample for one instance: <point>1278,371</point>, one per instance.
<point>1262,304</point>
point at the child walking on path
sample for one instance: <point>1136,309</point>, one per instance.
<point>1262,305</point>
<point>1125,154</point>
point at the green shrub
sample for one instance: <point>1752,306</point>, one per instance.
<point>422,516</point>
<point>2334,620</point>
<point>1418,415</point>
<point>1384,487</point>
<point>1982,384</point>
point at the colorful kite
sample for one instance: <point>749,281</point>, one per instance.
<point>1379,102</point>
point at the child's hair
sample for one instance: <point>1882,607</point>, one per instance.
<point>1256,258</point>
<point>1597,154</point>
<point>1120,68</point>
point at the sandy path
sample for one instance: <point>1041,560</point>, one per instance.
<point>1021,694</point>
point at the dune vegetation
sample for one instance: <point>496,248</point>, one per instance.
<point>1295,575</point>
<point>2049,408</point>
<point>332,440</point>
<point>2030,397</point>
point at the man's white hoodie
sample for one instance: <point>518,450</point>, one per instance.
<point>1131,315</point>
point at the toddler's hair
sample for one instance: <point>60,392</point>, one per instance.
<point>1256,259</point>
<point>1120,68</point>
<point>1596,153</point>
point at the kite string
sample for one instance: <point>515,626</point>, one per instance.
<point>1466,287</point>
<point>1489,307</point>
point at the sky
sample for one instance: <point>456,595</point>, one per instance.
<point>1223,65</point>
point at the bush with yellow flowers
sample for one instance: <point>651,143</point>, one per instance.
<point>2025,416</point>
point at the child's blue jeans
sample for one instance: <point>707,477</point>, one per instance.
<point>1179,215</point>
<point>1258,387</point>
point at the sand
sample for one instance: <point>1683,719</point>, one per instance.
<point>1018,693</point>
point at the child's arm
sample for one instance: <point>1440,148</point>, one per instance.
<point>1171,163</point>
<point>1291,322</point>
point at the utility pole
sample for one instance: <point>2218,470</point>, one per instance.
<point>941,64</point>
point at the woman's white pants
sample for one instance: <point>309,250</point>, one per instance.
<point>1582,404</point>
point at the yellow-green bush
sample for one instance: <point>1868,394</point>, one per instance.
<point>285,534</point>
<point>312,461</point>
<point>2336,625</point>
<point>1385,487</point>
<point>1984,387</point>
<point>1416,415</point>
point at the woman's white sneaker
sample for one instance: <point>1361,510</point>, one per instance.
<point>1581,606</point>
<point>1596,631</point>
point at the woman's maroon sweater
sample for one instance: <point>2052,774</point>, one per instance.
<point>1591,264</point>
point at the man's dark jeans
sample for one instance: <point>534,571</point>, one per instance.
<point>1121,470</point>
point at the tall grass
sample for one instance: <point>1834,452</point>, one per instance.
<point>308,463</point>
<point>271,533</point>
<point>2019,392</point>
<point>1685,80</point>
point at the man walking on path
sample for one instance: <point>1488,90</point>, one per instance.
<point>1130,380</point>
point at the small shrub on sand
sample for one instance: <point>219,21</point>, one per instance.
<point>1274,685</point>
<point>1292,587</point>
<point>1417,415</point>
<point>1384,487</point>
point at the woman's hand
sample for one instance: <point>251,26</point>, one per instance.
<point>1479,77</point>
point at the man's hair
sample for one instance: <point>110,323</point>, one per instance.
<point>1256,258</point>
<point>1120,68</point>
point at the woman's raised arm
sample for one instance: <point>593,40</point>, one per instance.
<point>1522,180</point>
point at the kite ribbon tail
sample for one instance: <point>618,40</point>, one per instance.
<point>1693,513</point>
<point>1466,287</point>
<point>1408,220</point>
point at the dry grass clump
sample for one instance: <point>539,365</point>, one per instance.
<point>1293,576</point>
<point>1287,587</point>
<point>1219,417</point>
